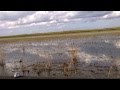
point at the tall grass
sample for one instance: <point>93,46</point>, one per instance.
<point>69,67</point>
<point>2,62</point>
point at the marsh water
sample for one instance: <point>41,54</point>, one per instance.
<point>95,56</point>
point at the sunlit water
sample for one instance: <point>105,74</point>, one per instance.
<point>100,50</point>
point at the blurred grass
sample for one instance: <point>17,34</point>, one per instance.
<point>58,35</point>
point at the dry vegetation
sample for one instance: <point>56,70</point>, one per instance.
<point>46,67</point>
<point>2,62</point>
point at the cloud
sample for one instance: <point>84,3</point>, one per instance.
<point>14,15</point>
<point>18,19</point>
<point>114,14</point>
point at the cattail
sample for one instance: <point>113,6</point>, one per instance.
<point>65,69</point>
<point>48,66</point>
<point>73,60</point>
<point>38,72</point>
<point>28,72</point>
<point>2,63</point>
<point>109,71</point>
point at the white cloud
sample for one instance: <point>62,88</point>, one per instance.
<point>113,14</point>
<point>29,19</point>
<point>36,18</point>
<point>14,15</point>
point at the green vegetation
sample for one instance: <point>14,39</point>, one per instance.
<point>64,34</point>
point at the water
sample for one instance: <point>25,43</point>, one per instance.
<point>98,51</point>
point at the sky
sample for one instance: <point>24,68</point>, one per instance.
<point>28,22</point>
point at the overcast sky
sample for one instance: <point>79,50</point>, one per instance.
<point>26,22</point>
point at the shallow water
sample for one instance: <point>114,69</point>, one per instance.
<point>95,51</point>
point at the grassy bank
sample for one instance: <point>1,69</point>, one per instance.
<point>57,35</point>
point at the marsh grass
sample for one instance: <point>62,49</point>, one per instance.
<point>2,62</point>
<point>58,35</point>
<point>68,68</point>
<point>109,71</point>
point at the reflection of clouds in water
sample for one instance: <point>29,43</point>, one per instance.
<point>42,55</point>
<point>90,48</point>
<point>88,51</point>
<point>117,44</point>
<point>107,41</point>
<point>34,44</point>
<point>108,49</point>
<point>31,51</point>
<point>88,58</point>
<point>8,50</point>
<point>117,61</point>
<point>85,57</point>
<point>10,65</point>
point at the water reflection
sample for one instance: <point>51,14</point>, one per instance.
<point>101,50</point>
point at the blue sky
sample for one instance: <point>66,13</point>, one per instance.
<point>27,22</point>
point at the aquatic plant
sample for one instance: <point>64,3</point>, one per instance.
<point>48,65</point>
<point>73,60</point>
<point>2,62</point>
